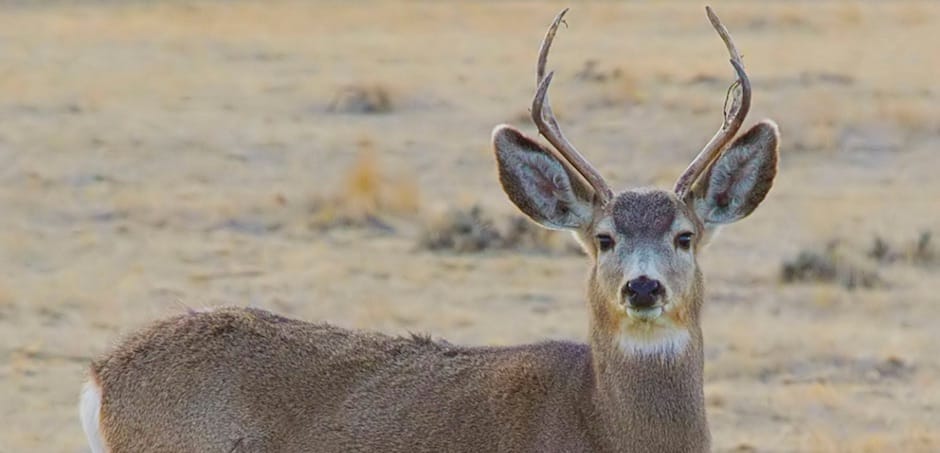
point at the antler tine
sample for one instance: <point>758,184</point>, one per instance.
<point>733,116</point>
<point>544,120</point>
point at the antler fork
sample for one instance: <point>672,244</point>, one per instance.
<point>733,115</point>
<point>545,121</point>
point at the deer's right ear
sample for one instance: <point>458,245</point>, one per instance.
<point>540,185</point>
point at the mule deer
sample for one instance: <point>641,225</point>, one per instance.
<point>240,379</point>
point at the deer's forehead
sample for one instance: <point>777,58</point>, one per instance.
<point>645,213</point>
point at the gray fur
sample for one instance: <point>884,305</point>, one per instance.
<point>644,214</point>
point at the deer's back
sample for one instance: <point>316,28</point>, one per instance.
<point>248,380</point>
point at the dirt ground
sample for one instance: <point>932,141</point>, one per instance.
<point>295,156</point>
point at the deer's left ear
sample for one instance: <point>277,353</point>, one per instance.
<point>739,180</point>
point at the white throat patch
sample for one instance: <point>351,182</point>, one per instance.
<point>662,343</point>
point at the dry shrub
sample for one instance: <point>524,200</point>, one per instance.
<point>367,197</point>
<point>7,301</point>
<point>522,234</point>
<point>615,87</point>
<point>833,264</point>
<point>793,17</point>
<point>849,14</point>
<point>818,137</point>
<point>923,251</point>
<point>472,230</point>
<point>592,72</point>
<point>362,99</point>
<point>839,263</point>
<point>912,14</point>
<point>911,115</point>
<point>919,252</point>
<point>461,231</point>
<point>821,124</point>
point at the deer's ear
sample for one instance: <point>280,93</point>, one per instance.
<point>539,184</point>
<point>739,180</point>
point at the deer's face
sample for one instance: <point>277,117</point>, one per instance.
<point>645,283</point>
<point>645,287</point>
<point>643,244</point>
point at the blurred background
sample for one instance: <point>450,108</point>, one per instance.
<point>331,161</point>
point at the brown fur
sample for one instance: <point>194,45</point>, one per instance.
<point>208,381</point>
<point>250,379</point>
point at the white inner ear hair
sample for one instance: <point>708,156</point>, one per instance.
<point>550,189</point>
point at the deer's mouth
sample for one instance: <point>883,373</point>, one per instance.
<point>650,313</point>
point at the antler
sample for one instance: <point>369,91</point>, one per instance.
<point>733,116</point>
<point>547,125</point>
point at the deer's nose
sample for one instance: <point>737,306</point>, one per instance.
<point>642,292</point>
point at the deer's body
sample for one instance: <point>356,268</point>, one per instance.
<point>267,383</point>
<point>233,380</point>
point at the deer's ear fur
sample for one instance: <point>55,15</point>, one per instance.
<point>539,184</point>
<point>739,180</point>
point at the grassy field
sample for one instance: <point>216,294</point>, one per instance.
<point>296,156</point>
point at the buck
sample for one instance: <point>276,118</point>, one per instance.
<point>246,380</point>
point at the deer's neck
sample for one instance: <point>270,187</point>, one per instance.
<point>649,401</point>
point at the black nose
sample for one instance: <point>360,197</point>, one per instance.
<point>642,292</point>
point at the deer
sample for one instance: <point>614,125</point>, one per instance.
<point>235,379</point>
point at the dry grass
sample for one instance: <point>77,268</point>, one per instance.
<point>367,197</point>
<point>162,154</point>
<point>362,98</point>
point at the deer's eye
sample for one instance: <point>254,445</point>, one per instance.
<point>684,240</point>
<point>605,242</point>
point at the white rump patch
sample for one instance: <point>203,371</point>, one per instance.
<point>665,344</point>
<point>90,411</point>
